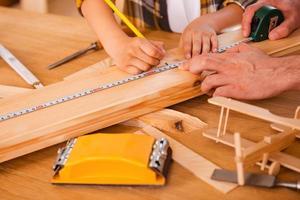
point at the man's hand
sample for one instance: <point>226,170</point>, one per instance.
<point>290,10</point>
<point>135,55</point>
<point>245,72</point>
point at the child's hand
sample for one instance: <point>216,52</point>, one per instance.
<point>197,38</point>
<point>135,55</point>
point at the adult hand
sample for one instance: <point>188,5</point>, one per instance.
<point>290,10</point>
<point>245,72</point>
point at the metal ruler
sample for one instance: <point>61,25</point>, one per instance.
<point>15,64</point>
<point>87,92</point>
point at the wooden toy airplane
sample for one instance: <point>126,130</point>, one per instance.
<point>247,152</point>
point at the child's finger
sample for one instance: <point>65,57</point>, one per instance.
<point>146,58</point>
<point>197,44</point>
<point>132,70</point>
<point>205,43</point>
<point>214,43</point>
<point>151,50</point>
<point>159,45</point>
<point>141,65</point>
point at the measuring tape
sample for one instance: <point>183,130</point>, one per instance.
<point>87,92</point>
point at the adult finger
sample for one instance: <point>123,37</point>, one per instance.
<point>146,58</point>
<point>283,30</point>
<point>243,47</point>
<point>197,44</point>
<point>214,43</point>
<point>205,43</point>
<point>213,81</point>
<point>227,91</point>
<point>141,65</point>
<point>206,63</point>
<point>151,50</point>
<point>248,15</point>
<point>187,45</point>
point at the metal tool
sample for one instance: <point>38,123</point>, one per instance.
<point>87,92</point>
<point>260,180</point>
<point>16,65</point>
<point>93,46</point>
<point>104,158</point>
<point>264,21</point>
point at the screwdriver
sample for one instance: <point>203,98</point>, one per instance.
<point>93,46</point>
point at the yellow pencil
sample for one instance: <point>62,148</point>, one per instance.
<point>124,19</point>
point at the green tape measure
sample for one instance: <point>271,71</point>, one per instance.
<point>264,21</point>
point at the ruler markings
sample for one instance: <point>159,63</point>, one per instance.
<point>87,92</point>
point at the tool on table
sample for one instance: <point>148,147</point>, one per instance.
<point>264,17</point>
<point>113,159</point>
<point>260,180</point>
<point>16,65</point>
<point>93,47</point>
<point>263,22</point>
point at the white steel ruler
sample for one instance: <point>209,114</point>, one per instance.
<point>19,67</point>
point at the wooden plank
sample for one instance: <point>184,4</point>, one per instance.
<point>7,91</point>
<point>58,123</point>
<point>195,163</point>
<point>173,121</point>
<point>284,159</point>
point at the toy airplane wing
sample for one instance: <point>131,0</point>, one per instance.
<point>254,111</point>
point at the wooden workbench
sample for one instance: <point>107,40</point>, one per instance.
<point>38,40</point>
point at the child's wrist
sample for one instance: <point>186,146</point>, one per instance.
<point>113,44</point>
<point>205,20</point>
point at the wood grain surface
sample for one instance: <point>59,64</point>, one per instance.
<point>38,40</point>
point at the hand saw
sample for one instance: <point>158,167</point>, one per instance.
<point>265,19</point>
